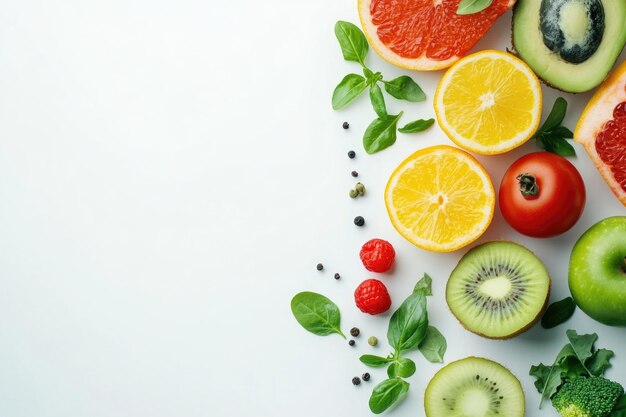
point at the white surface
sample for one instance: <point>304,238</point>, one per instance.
<point>170,174</point>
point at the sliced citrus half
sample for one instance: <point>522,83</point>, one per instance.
<point>488,102</point>
<point>440,198</point>
<point>601,129</point>
<point>425,35</point>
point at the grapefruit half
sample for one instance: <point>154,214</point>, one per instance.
<point>425,35</point>
<point>601,129</point>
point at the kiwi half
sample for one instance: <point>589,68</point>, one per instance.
<point>474,387</point>
<point>498,289</point>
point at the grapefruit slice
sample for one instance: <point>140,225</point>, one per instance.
<point>425,35</point>
<point>601,129</point>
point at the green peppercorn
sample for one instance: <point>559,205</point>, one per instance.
<point>353,193</point>
<point>360,188</point>
<point>372,341</point>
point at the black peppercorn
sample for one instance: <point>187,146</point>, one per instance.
<point>345,125</point>
<point>320,267</point>
<point>351,342</point>
<point>365,376</point>
<point>354,174</point>
<point>359,221</point>
<point>351,154</point>
<point>337,276</point>
<point>354,332</point>
<point>356,380</point>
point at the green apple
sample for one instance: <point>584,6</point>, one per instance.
<point>597,271</point>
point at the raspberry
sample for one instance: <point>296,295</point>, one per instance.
<point>377,255</point>
<point>371,297</point>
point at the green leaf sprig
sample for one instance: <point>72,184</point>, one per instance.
<point>578,358</point>
<point>381,133</point>
<point>551,136</point>
<point>408,330</point>
<point>316,313</point>
<point>472,6</point>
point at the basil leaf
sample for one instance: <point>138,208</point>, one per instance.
<point>368,74</point>
<point>380,134</point>
<point>352,42</point>
<point>378,101</point>
<point>434,345</point>
<point>425,285</point>
<point>403,367</point>
<point>600,362</point>
<point>582,345</point>
<point>374,361</point>
<point>316,313</point>
<point>472,6</point>
<point>417,126</point>
<point>408,324</point>
<point>556,116</point>
<point>558,312</point>
<point>404,88</point>
<point>563,147</point>
<point>347,90</point>
<point>387,393</point>
<point>620,408</point>
<point>562,132</point>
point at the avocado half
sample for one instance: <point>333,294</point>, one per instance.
<point>570,44</point>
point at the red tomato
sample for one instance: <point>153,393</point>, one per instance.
<point>542,195</point>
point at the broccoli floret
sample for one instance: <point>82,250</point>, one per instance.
<point>587,397</point>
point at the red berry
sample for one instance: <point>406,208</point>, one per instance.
<point>377,255</point>
<point>371,297</point>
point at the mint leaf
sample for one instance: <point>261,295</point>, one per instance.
<point>425,285</point>
<point>434,345</point>
<point>381,133</point>
<point>600,362</point>
<point>378,101</point>
<point>404,88</point>
<point>387,393</point>
<point>374,361</point>
<point>408,324</point>
<point>558,312</point>
<point>472,6</point>
<point>417,126</point>
<point>403,367</point>
<point>350,87</point>
<point>352,42</point>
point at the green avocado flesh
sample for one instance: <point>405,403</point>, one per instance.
<point>498,289</point>
<point>474,387</point>
<point>570,44</point>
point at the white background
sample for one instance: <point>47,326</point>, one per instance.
<point>170,174</point>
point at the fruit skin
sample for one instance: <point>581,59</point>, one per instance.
<point>421,63</point>
<point>429,407</point>
<point>474,146</point>
<point>597,271</point>
<point>377,255</point>
<point>598,111</point>
<point>557,206</point>
<point>549,66</point>
<point>371,297</point>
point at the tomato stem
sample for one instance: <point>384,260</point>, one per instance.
<point>528,185</point>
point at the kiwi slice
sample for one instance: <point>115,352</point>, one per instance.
<point>474,387</point>
<point>498,289</point>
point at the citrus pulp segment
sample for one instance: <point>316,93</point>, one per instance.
<point>601,129</point>
<point>440,198</point>
<point>425,34</point>
<point>488,102</point>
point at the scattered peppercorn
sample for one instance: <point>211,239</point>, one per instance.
<point>372,341</point>
<point>354,174</point>
<point>351,342</point>
<point>345,125</point>
<point>353,193</point>
<point>356,381</point>
<point>354,332</point>
<point>360,188</point>
<point>320,267</point>
<point>351,154</point>
<point>337,276</point>
<point>359,221</point>
<point>366,376</point>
